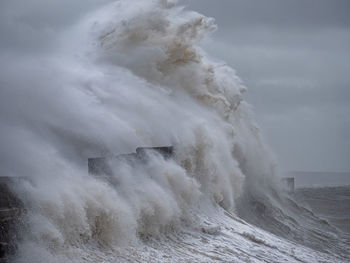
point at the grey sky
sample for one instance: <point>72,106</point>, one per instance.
<point>31,25</point>
<point>294,57</point>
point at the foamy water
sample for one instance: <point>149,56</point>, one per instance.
<point>132,74</point>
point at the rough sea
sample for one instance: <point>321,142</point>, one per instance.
<point>133,74</point>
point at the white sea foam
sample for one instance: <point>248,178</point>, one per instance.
<point>132,74</point>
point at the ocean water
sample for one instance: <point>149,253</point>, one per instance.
<point>133,74</point>
<point>330,203</point>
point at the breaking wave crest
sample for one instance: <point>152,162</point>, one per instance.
<point>132,74</point>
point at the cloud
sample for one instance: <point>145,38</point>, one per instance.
<point>275,13</point>
<point>33,25</point>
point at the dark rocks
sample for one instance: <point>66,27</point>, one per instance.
<point>10,211</point>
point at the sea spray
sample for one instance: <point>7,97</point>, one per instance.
<point>130,74</point>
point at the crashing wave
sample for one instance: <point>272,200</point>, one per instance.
<point>133,74</point>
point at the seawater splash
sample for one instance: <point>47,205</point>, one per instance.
<point>132,74</point>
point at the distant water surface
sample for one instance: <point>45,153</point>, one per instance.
<point>330,203</point>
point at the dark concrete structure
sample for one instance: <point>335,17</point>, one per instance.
<point>102,165</point>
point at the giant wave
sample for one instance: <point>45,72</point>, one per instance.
<point>133,74</point>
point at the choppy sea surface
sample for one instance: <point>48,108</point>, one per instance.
<point>330,203</point>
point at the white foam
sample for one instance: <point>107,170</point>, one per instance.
<point>131,74</point>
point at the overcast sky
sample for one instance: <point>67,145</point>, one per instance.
<point>293,55</point>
